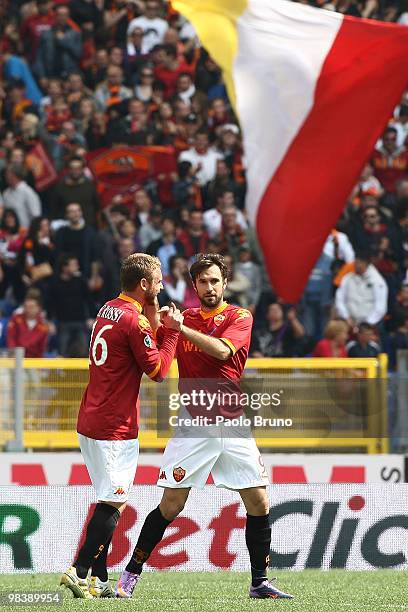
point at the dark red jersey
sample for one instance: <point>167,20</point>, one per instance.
<point>33,338</point>
<point>231,324</point>
<point>122,348</point>
<point>201,373</point>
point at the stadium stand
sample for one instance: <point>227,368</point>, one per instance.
<point>116,135</point>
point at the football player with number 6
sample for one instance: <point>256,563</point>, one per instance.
<point>122,348</point>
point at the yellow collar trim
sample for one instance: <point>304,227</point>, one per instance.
<point>211,313</point>
<point>126,298</point>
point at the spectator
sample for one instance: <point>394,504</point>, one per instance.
<point>238,288</point>
<point>123,249</point>
<point>19,103</point>
<point>151,230</point>
<point>247,267</point>
<point>84,115</point>
<point>174,282</point>
<point>186,191</point>
<point>17,156</point>
<point>99,133</point>
<point>167,245</point>
<point>69,306</point>
<point>400,308</point>
<point>63,147</point>
<point>135,128</point>
<point>368,182</point>
<point>153,26</point>
<point>390,161</point>
<point>218,115</point>
<point>75,187</point>
<point>11,239</point>
<point>169,70</point>
<point>223,182</point>
<point>116,20</point>
<point>399,341</point>
<point>20,197</point>
<point>185,88</point>
<point>112,91</point>
<point>401,125</point>
<point>36,257</point>
<point>334,342</point>
<point>76,91</point>
<point>144,90</point>
<point>364,346</point>
<point>33,26</point>
<point>281,336</point>
<point>96,72</point>
<point>11,235</point>
<point>337,255</point>
<point>202,157</point>
<point>28,329</point>
<point>143,206</point>
<point>362,294</point>
<point>232,236</point>
<point>230,148</point>
<point>60,47</point>
<point>369,231</point>
<point>127,229</point>
<point>213,216</point>
<point>78,239</point>
<point>194,238</point>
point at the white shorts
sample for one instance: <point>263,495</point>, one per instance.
<point>111,465</point>
<point>235,463</point>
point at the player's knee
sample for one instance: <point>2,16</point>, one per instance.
<point>257,504</point>
<point>171,508</point>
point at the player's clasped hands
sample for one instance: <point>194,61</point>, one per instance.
<point>171,317</point>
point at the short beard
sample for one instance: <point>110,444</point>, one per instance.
<point>150,297</point>
<point>210,305</point>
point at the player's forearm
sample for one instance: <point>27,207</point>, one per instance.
<point>212,346</point>
<point>167,352</point>
<point>151,311</point>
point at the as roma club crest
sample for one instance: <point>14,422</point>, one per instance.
<point>178,474</point>
<point>218,319</point>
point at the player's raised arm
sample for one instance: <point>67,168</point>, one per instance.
<point>155,361</point>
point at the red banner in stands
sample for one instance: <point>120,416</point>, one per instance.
<point>42,167</point>
<point>122,170</point>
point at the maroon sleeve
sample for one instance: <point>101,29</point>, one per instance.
<point>238,333</point>
<point>160,335</point>
<point>153,361</point>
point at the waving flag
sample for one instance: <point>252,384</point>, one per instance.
<point>313,90</point>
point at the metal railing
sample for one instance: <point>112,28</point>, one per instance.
<point>40,398</point>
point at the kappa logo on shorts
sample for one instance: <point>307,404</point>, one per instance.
<point>178,474</point>
<point>162,476</point>
<point>119,491</point>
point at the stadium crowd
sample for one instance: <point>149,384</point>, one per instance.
<point>83,76</point>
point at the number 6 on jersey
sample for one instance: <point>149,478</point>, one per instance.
<point>98,361</point>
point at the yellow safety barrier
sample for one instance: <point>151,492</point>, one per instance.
<point>53,389</point>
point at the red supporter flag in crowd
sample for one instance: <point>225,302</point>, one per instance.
<point>42,167</point>
<point>313,89</point>
<point>122,170</point>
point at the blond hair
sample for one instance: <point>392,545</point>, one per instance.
<point>335,327</point>
<point>135,267</point>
